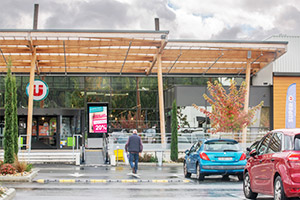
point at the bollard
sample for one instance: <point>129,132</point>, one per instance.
<point>159,155</point>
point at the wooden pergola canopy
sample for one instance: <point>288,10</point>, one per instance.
<point>130,52</point>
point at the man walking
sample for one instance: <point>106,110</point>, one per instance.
<point>134,146</point>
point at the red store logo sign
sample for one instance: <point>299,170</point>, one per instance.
<point>40,90</point>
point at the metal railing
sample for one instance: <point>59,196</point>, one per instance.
<point>185,140</point>
<point>77,145</point>
<point>28,146</point>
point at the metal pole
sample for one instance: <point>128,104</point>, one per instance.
<point>156,20</point>
<point>36,14</point>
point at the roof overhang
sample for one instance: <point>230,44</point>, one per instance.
<point>130,52</point>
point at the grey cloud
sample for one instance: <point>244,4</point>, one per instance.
<point>12,12</point>
<point>233,33</point>
<point>288,21</point>
<point>262,6</point>
<point>227,34</point>
<point>94,15</point>
<point>260,34</point>
<point>158,8</point>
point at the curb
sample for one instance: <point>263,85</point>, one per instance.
<point>10,194</point>
<point>111,181</point>
<point>27,178</point>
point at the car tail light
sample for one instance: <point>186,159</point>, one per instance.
<point>295,190</point>
<point>294,157</point>
<point>203,156</point>
<point>243,156</point>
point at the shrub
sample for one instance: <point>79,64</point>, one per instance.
<point>1,163</point>
<point>147,158</point>
<point>8,142</point>
<point>29,167</point>
<point>174,136</point>
<point>7,169</point>
<point>20,166</point>
<point>180,160</point>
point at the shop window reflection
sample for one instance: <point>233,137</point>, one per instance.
<point>68,128</point>
<point>47,130</point>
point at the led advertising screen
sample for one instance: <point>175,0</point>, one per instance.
<point>97,119</point>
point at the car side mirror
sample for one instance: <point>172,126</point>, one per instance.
<point>187,152</point>
<point>248,149</point>
<point>253,152</point>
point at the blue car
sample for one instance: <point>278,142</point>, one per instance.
<point>214,156</point>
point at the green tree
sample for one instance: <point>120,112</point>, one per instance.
<point>15,116</point>
<point>8,131</point>
<point>174,138</point>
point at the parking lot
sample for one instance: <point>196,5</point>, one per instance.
<point>165,182</point>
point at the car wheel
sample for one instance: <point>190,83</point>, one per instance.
<point>199,176</point>
<point>185,171</point>
<point>279,190</point>
<point>240,177</point>
<point>247,187</point>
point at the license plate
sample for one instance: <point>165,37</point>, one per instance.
<point>225,158</point>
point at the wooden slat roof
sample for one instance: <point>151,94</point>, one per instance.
<point>130,52</point>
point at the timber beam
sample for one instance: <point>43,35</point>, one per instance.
<point>159,52</point>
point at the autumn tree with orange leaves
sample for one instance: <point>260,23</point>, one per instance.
<point>228,113</point>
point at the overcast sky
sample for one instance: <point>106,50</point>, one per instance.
<point>185,19</point>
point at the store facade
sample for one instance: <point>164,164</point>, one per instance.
<point>130,70</point>
<point>62,113</point>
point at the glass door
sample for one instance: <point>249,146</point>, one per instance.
<point>46,131</point>
<point>66,136</point>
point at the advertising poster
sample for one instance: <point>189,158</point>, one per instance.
<point>97,115</point>
<point>290,110</point>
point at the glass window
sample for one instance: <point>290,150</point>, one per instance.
<point>147,83</point>
<point>60,82</point>
<point>97,83</point>
<point>222,145</point>
<point>202,81</point>
<point>199,144</point>
<point>123,99</point>
<point>76,82</point>
<point>275,144</point>
<point>123,83</point>
<point>183,81</point>
<point>194,148</point>
<point>262,147</point>
<point>66,135</point>
<point>149,99</point>
<point>288,142</point>
<point>265,117</point>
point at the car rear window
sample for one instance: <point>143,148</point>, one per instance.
<point>222,145</point>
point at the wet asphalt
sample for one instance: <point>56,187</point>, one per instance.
<point>166,182</point>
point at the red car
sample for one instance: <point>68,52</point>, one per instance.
<point>273,167</point>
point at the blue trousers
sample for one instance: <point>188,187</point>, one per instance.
<point>134,157</point>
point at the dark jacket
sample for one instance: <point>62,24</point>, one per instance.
<point>134,144</point>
